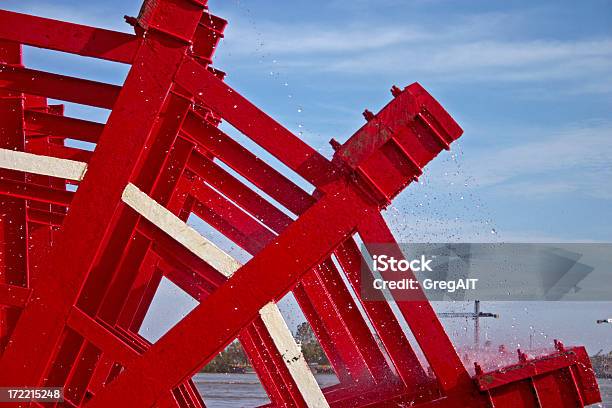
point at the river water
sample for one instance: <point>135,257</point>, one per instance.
<point>245,390</point>
<point>239,390</point>
<point>605,386</point>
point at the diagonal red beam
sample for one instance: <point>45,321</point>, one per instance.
<point>30,191</point>
<point>356,363</point>
<point>46,218</point>
<point>100,336</point>
<point>283,381</point>
<point>254,123</point>
<point>383,320</point>
<point>245,163</point>
<point>65,88</point>
<point>63,126</point>
<point>68,37</point>
<point>264,366</point>
<point>238,192</point>
<point>12,295</point>
<point>357,331</point>
<point>325,339</point>
<point>44,148</point>
<point>419,314</point>
<point>221,214</point>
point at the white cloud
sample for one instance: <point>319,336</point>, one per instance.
<point>535,190</point>
<point>359,34</point>
<point>314,39</point>
<point>571,160</point>
<point>470,48</point>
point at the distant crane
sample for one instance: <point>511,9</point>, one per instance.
<point>476,315</point>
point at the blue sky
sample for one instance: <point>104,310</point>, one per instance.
<point>529,82</point>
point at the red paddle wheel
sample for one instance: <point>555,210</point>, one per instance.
<point>86,236</point>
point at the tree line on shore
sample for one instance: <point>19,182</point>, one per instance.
<point>234,360</point>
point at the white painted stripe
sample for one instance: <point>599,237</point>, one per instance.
<point>44,165</point>
<point>225,264</point>
<point>177,229</point>
<point>292,356</point>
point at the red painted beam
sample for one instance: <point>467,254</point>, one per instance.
<point>317,324</point>
<point>420,316</point>
<point>223,215</point>
<point>68,37</point>
<point>247,164</point>
<point>62,126</point>
<point>357,331</point>
<point>238,192</point>
<point>46,148</point>
<point>350,354</point>
<point>383,320</point>
<point>56,86</point>
<point>252,122</point>
<point>30,191</point>
<point>14,296</point>
<point>47,218</point>
<point>101,337</point>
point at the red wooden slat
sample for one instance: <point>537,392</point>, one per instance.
<point>68,37</point>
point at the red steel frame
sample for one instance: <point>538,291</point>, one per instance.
<point>83,279</point>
